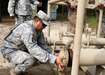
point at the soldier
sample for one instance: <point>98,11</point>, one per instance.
<point>72,15</point>
<point>21,9</point>
<point>25,44</point>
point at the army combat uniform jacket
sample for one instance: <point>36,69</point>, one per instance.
<point>21,7</point>
<point>25,38</point>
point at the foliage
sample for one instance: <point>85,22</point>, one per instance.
<point>91,17</point>
<point>92,21</point>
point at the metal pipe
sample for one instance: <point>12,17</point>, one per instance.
<point>94,41</point>
<point>68,38</point>
<point>54,1</point>
<point>64,41</point>
<point>99,23</point>
<point>60,3</point>
<point>49,13</point>
<point>89,57</point>
<point>77,38</point>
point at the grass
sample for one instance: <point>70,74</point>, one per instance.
<point>92,21</point>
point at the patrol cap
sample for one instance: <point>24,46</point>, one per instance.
<point>42,15</point>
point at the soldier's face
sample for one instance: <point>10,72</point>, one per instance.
<point>38,24</point>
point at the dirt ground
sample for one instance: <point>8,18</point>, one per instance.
<point>41,69</point>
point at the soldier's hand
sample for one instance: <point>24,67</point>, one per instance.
<point>59,63</point>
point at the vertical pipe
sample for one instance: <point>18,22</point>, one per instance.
<point>0,13</point>
<point>49,13</point>
<point>99,23</point>
<point>78,35</point>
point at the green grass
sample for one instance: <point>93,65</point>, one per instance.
<point>92,21</point>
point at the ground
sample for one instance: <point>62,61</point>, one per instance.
<point>41,69</point>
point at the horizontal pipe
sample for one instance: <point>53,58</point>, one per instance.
<point>69,38</point>
<point>93,41</point>
<point>57,41</point>
<point>54,1</point>
<point>90,57</point>
<point>60,3</point>
<point>66,38</point>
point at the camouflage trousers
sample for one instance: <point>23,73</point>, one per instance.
<point>22,61</point>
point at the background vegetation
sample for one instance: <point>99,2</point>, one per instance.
<point>91,16</point>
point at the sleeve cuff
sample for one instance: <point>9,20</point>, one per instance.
<point>52,58</point>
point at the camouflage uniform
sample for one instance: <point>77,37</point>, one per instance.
<point>72,20</point>
<point>24,45</point>
<point>21,9</point>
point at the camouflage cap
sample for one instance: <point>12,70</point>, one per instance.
<point>45,18</point>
